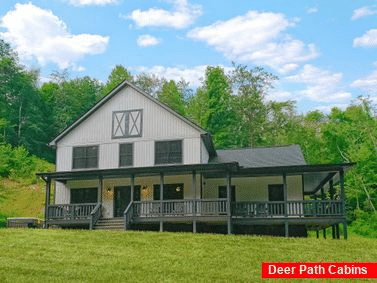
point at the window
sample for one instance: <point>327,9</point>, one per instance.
<point>168,152</point>
<point>85,157</point>
<point>224,194</point>
<point>127,124</point>
<point>126,154</point>
<point>89,195</point>
<point>171,191</point>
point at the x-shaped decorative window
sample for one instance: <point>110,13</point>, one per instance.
<point>127,124</point>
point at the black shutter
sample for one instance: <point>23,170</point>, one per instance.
<point>137,193</point>
<point>156,192</point>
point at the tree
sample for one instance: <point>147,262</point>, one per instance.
<point>150,84</point>
<point>251,111</point>
<point>171,96</point>
<point>23,112</point>
<point>117,76</point>
<point>68,99</point>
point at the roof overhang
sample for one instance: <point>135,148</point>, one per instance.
<point>314,177</point>
<point>64,176</point>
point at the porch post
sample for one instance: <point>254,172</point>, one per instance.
<point>285,189</point>
<point>47,203</point>
<point>161,198</point>
<point>343,198</point>
<point>100,179</point>
<point>194,202</point>
<point>228,206</point>
<point>132,187</point>
<point>322,198</point>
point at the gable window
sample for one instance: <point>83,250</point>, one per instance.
<point>85,157</point>
<point>168,152</point>
<point>127,124</point>
<point>126,154</point>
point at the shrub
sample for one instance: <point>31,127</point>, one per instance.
<point>365,225</point>
<point>17,164</point>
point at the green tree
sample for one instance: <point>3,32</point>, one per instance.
<point>171,96</point>
<point>117,76</point>
<point>68,99</point>
<point>23,111</point>
<point>150,84</point>
<point>251,112</point>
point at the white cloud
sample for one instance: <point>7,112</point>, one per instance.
<point>322,85</point>
<point>369,39</point>
<point>91,2</point>
<point>362,12</point>
<point>279,95</point>
<point>182,16</point>
<point>259,38</point>
<point>192,75</point>
<point>312,10</point>
<point>327,108</point>
<point>39,34</point>
<point>368,83</point>
<point>146,40</point>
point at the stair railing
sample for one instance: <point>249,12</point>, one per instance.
<point>128,215</point>
<point>95,215</point>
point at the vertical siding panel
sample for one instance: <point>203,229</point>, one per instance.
<point>158,124</point>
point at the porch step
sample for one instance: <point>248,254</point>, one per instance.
<point>110,224</point>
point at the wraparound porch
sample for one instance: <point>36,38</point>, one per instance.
<point>327,211</point>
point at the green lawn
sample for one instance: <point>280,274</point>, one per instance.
<point>36,255</point>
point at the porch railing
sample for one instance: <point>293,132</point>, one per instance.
<point>310,208</point>
<point>179,207</point>
<point>70,211</point>
<point>128,215</point>
<point>95,215</point>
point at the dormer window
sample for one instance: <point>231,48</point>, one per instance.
<point>127,124</point>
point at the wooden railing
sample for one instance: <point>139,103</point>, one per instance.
<point>95,215</point>
<point>70,211</point>
<point>187,207</point>
<point>128,215</point>
<point>310,208</point>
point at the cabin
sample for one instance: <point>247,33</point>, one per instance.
<point>131,162</point>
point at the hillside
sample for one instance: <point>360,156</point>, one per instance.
<point>21,200</point>
<point>22,193</point>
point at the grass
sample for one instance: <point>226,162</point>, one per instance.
<point>36,255</point>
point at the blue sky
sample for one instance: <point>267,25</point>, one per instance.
<point>324,52</point>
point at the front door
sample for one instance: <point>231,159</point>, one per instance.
<point>122,198</point>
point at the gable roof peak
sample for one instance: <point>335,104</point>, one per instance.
<point>111,94</point>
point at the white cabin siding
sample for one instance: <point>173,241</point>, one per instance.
<point>158,124</point>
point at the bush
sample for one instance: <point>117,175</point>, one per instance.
<point>18,164</point>
<point>365,225</point>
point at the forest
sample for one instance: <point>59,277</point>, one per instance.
<point>232,106</point>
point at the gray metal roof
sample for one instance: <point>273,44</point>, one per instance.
<point>262,156</point>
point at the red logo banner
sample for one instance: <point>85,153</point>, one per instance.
<point>319,270</point>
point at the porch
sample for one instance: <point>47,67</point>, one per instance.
<point>197,204</point>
